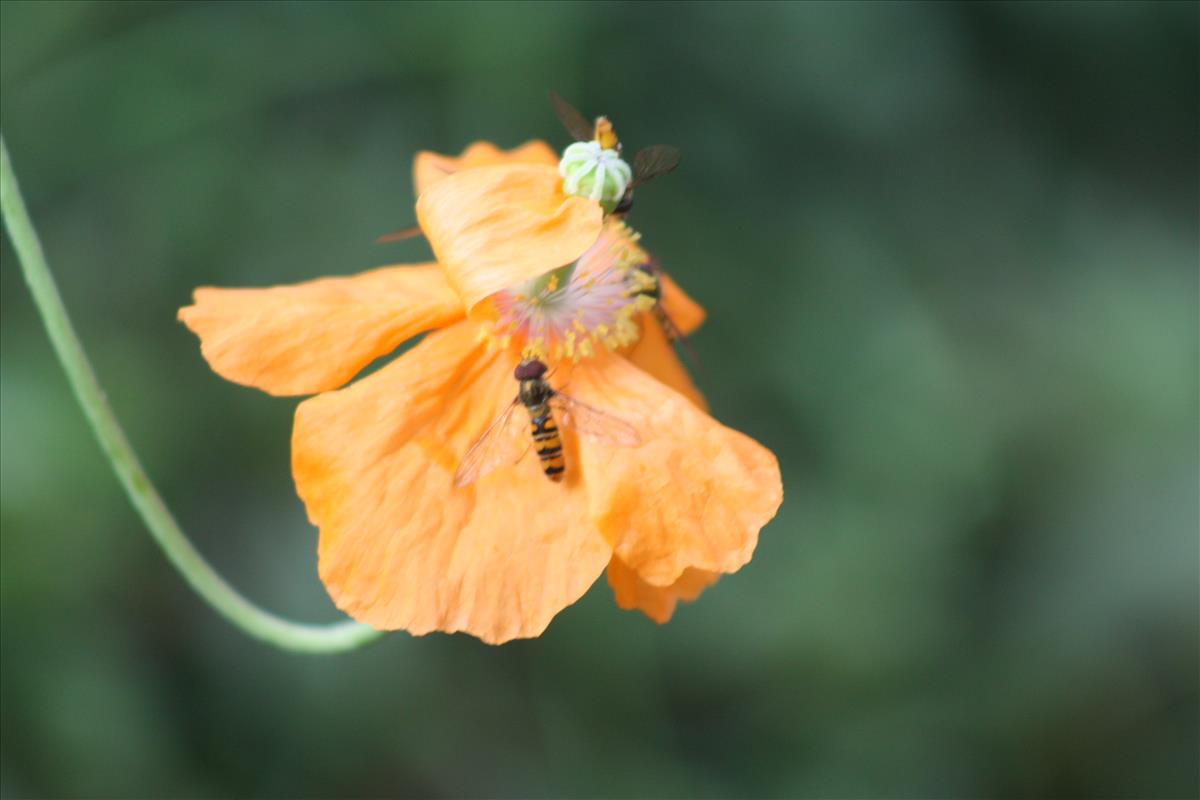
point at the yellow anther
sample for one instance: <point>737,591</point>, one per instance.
<point>533,349</point>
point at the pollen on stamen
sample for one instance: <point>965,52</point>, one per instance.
<point>577,309</point>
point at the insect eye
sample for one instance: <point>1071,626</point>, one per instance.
<point>529,370</point>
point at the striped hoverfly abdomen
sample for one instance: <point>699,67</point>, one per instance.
<point>504,443</point>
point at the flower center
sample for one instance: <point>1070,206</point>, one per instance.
<point>572,311</point>
<point>593,171</point>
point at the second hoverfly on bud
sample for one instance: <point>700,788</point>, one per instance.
<point>592,167</point>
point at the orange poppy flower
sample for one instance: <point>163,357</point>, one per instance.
<point>401,545</point>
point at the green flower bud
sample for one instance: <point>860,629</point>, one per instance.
<point>588,170</point>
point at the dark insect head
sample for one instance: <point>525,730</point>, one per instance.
<point>531,369</point>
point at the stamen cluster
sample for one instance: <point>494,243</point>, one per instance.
<point>572,311</point>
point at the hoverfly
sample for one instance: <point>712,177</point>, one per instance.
<point>502,443</point>
<point>648,163</point>
<point>650,286</point>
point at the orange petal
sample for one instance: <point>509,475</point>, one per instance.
<point>654,354</point>
<point>429,168</point>
<point>656,602</point>
<point>693,494</point>
<point>315,336</point>
<point>400,546</point>
<point>683,311</point>
<point>494,227</point>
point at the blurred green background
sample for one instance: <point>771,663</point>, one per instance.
<point>950,255</point>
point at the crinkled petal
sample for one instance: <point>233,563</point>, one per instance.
<point>429,167</point>
<point>655,354</point>
<point>693,494</point>
<point>315,336</point>
<point>656,602</point>
<point>685,313</point>
<point>400,546</point>
<point>495,227</point>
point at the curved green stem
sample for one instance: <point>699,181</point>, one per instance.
<point>199,574</point>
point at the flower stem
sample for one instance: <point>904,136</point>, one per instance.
<point>199,574</point>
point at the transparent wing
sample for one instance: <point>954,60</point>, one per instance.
<point>653,161</point>
<point>593,423</point>
<point>676,337</point>
<point>400,235</point>
<point>502,443</point>
<point>575,123</point>
<point>679,341</point>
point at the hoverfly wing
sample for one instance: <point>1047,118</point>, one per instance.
<point>592,423</point>
<point>400,235</point>
<point>653,161</point>
<point>679,340</point>
<point>500,444</point>
<point>575,122</point>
